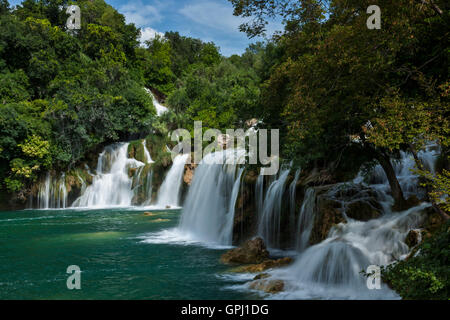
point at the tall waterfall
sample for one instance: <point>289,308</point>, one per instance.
<point>270,219</point>
<point>112,185</point>
<point>169,192</point>
<point>292,194</point>
<point>305,219</point>
<point>208,212</point>
<point>52,193</point>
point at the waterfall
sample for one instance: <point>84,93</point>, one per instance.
<point>269,227</point>
<point>160,109</point>
<point>332,268</point>
<point>169,192</point>
<point>259,194</point>
<point>292,189</point>
<point>112,185</point>
<point>208,212</point>
<point>305,219</point>
<point>148,158</point>
<point>52,193</point>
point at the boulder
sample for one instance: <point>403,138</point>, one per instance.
<point>252,251</point>
<point>363,210</point>
<point>266,264</point>
<point>413,238</point>
<point>149,213</point>
<point>266,285</point>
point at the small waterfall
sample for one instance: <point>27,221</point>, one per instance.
<point>259,194</point>
<point>169,192</point>
<point>269,226</point>
<point>292,189</point>
<point>52,193</point>
<point>333,267</point>
<point>160,109</point>
<point>208,211</point>
<point>112,185</point>
<point>306,219</point>
<point>148,158</point>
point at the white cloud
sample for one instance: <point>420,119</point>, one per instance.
<point>148,34</point>
<point>139,14</point>
<point>212,15</point>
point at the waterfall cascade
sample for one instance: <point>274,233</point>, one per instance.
<point>270,218</point>
<point>111,186</point>
<point>52,193</point>
<point>332,268</point>
<point>208,212</point>
<point>169,192</point>
<point>160,109</point>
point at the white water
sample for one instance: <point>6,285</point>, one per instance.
<point>208,212</point>
<point>160,109</point>
<point>332,268</point>
<point>112,185</point>
<point>269,221</point>
<point>52,193</point>
<point>148,158</point>
<point>169,192</point>
<point>305,219</point>
<point>292,193</point>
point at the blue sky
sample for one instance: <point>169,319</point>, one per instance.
<point>209,20</point>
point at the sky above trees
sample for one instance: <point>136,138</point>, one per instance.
<point>208,20</point>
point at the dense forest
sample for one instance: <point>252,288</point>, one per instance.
<point>342,95</point>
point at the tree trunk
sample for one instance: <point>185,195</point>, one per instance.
<point>396,190</point>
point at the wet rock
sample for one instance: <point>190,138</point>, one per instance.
<point>252,251</point>
<point>261,276</point>
<point>189,173</point>
<point>149,214</point>
<point>413,238</point>
<point>266,264</point>
<point>168,207</point>
<point>266,285</point>
<point>363,210</point>
<point>328,214</point>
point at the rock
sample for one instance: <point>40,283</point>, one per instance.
<point>413,238</point>
<point>168,207</point>
<point>363,210</point>
<point>160,220</point>
<point>261,276</point>
<point>269,286</point>
<point>189,173</point>
<point>252,251</point>
<point>266,264</point>
<point>328,214</point>
<point>251,122</point>
<point>149,213</point>
<point>131,172</point>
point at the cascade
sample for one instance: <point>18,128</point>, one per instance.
<point>270,218</point>
<point>208,212</point>
<point>169,192</point>
<point>52,193</point>
<point>112,185</point>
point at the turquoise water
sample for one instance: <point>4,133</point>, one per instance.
<point>116,257</point>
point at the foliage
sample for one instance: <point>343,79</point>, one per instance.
<point>426,274</point>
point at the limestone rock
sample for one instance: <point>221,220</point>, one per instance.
<point>252,251</point>
<point>266,264</point>
<point>266,285</point>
